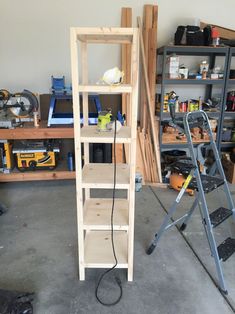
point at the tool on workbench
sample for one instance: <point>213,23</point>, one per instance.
<point>59,92</point>
<point>202,184</point>
<point>17,108</point>
<point>36,155</point>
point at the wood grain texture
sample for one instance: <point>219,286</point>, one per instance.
<point>151,115</point>
<point>97,214</point>
<point>225,33</point>
<point>98,249</point>
<point>37,175</point>
<point>42,132</point>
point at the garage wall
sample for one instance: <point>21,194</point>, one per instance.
<point>34,41</point>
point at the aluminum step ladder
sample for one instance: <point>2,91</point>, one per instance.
<point>202,184</point>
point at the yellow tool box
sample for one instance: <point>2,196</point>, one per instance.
<point>35,156</point>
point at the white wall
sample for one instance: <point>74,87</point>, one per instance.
<point>34,41</point>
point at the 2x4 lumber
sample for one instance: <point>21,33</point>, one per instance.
<point>77,144</point>
<point>152,64</point>
<point>151,114</point>
<point>133,104</point>
<point>90,134</point>
<point>30,132</point>
<point>118,153</point>
<point>106,89</point>
<point>225,33</point>
<point>99,31</point>
<point>141,145</point>
<point>126,21</point>
<point>147,25</point>
<point>85,108</point>
<point>37,175</point>
<point>139,159</point>
<point>104,40</point>
<point>110,35</point>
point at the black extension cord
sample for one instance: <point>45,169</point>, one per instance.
<point>118,281</point>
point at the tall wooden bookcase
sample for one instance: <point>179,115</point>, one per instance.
<point>94,214</point>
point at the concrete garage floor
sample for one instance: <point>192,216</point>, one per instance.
<point>38,252</point>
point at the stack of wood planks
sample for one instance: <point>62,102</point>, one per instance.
<point>148,132</point>
<point>148,157</point>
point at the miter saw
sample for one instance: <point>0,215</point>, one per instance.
<point>17,108</point>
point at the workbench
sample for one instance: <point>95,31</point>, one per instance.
<point>29,132</point>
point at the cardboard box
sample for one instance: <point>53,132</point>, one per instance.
<point>173,63</point>
<point>229,169</point>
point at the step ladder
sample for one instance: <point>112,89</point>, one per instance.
<point>202,184</point>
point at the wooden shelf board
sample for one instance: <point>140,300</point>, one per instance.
<point>90,134</point>
<point>28,131</point>
<point>97,214</point>
<point>98,249</point>
<point>104,35</point>
<point>37,175</point>
<point>101,176</point>
<point>171,139</point>
<point>105,89</point>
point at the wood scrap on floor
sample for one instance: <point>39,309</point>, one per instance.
<point>148,156</point>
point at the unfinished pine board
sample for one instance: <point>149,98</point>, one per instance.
<point>110,35</point>
<point>97,213</point>
<point>101,176</point>
<point>126,21</point>
<point>132,150</point>
<point>98,249</point>
<point>118,153</point>
<point>37,175</point>
<point>225,33</point>
<point>106,89</point>
<point>42,132</point>
<point>151,114</point>
<point>78,153</point>
<point>84,65</point>
<point>90,134</point>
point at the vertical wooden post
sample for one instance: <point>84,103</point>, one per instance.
<point>78,155</point>
<point>126,21</point>
<point>85,107</point>
<point>134,101</point>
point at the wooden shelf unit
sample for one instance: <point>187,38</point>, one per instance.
<point>29,132</point>
<point>94,215</point>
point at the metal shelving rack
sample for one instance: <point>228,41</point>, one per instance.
<point>228,115</point>
<point>93,214</point>
<point>212,53</point>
